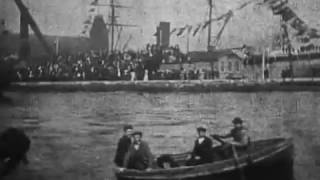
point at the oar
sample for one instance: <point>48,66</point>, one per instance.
<point>236,159</point>
<point>217,138</point>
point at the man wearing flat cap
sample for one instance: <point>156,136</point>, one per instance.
<point>238,134</point>
<point>202,151</point>
<point>123,145</point>
<point>139,155</point>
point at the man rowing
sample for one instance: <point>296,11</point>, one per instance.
<point>238,134</point>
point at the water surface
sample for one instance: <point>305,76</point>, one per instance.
<point>74,134</point>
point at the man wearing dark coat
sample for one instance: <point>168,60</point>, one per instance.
<point>239,134</point>
<point>123,145</point>
<point>202,151</point>
<point>139,155</point>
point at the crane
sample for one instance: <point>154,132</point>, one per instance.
<point>28,20</point>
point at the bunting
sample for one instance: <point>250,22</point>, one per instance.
<point>204,25</point>
<point>303,33</point>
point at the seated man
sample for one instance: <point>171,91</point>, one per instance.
<point>238,134</point>
<point>139,155</point>
<point>202,152</point>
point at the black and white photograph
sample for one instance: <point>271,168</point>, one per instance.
<point>159,89</point>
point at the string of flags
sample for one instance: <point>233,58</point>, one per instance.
<point>88,21</point>
<point>201,26</point>
<point>303,32</point>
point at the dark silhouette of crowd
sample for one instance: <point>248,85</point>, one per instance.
<point>100,65</point>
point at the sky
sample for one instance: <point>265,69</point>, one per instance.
<point>254,25</point>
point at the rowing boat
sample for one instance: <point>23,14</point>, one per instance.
<point>270,159</point>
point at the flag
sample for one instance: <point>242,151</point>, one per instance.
<point>196,29</point>
<point>244,5</point>
<point>95,2</point>
<point>279,10</point>
<point>181,30</point>
<point>313,33</point>
<point>173,30</point>
<point>206,24</point>
<point>278,4</point>
<point>298,25</point>
<point>87,21</point>
<point>288,14</point>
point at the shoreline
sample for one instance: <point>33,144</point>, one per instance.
<point>168,86</point>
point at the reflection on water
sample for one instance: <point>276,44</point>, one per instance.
<point>74,134</point>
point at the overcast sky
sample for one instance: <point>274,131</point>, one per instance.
<point>252,25</point>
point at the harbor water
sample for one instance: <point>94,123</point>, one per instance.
<point>74,135</point>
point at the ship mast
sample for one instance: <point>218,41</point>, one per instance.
<point>113,22</point>
<point>209,28</point>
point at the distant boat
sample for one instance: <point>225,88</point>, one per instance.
<point>264,160</point>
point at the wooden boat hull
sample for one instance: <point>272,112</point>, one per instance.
<point>270,163</point>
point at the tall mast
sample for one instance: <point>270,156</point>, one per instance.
<point>113,23</point>
<point>113,18</point>
<point>209,28</point>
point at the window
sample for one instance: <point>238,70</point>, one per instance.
<point>222,66</point>
<point>229,66</point>
<point>237,66</point>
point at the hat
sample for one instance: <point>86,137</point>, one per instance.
<point>202,128</point>
<point>137,133</point>
<point>237,120</point>
<point>126,127</point>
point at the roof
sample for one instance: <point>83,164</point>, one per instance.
<point>211,55</point>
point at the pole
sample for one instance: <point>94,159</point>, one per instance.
<point>188,42</point>
<point>209,28</point>
<point>112,24</point>
<point>263,63</point>
<point>57,45</point>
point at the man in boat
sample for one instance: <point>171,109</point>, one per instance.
<point>139,155</point>
<point>238,134</point>
<point>202,151</point>
<point>123,145</point>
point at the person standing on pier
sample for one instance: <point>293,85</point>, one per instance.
<point>123,145</point>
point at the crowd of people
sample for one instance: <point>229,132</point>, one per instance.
<point>100,65</point>
<point>134,153</point>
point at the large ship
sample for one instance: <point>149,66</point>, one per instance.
<point>294,54</point>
